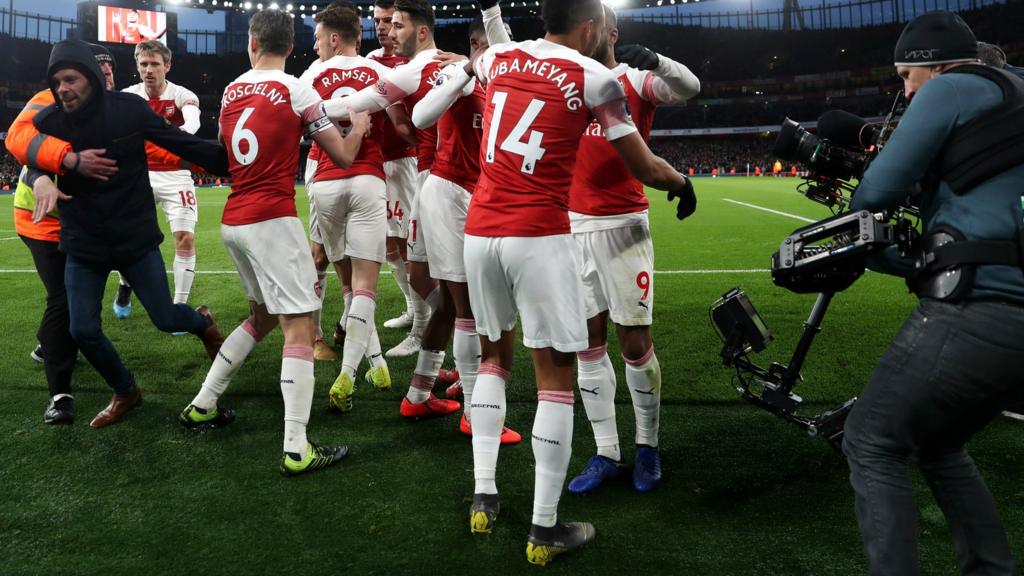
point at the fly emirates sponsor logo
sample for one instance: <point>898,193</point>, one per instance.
<point>525,64</point>
<point>268,91</point>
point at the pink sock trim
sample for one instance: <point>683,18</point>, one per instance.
<point>421,382</point>
<point>493,370</point>
<point>366,293</point>
<point>346,290</point>
<point>465,324</point>
<point>393,256</point>
<point>593,354</point>
<point>185,253</point>
<point>248,327</point>
<point>300,352</point>
<point>642,361</point>
<point>555,396</point>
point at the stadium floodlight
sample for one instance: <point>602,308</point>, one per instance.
<point>289,7</point>
<point>274,6</point>
<point>247,5</point>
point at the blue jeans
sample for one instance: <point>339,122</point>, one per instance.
<point>86,281</point>
<point>945,376</point>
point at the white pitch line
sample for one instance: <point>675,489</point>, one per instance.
<point>756,207</point>
<point>235,272</point>
<point>11,238</point>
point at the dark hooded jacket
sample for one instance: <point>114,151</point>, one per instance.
<point>113,222</point>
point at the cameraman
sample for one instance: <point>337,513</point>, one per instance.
<point>957,359</point>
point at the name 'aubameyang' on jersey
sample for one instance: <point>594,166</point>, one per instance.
<point>541,97</point>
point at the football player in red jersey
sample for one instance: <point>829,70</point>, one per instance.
<point>400,169</point>
<point>608,212</point>
<point>412,32</point>
<point>260,110</point>
<point>351,202</point>
<point>173,188</point>
<point>413,35</point>
<point>542,96</point>
<point>457,109</point>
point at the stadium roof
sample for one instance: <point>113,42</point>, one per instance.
<point>444,8</point>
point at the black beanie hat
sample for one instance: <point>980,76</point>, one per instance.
<point>103,55</point>
<point>936,38</point>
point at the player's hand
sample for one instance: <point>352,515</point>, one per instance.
<point>687,199</point>
<point>47,194</point>
<point>637,56</point>
<point>91,164</point>
<point>485,4</point>
<point>361,123</point>
<point>447,58</point>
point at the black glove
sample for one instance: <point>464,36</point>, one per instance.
<point>687,199</point>
<point>485,4</point>
<point>637,56</point>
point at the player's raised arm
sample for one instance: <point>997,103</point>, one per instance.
<point>452,84</point>
<point>188,102</point>
<point>494,26</point>
<point>656,172</point>
<point>670,83</point>
<point>212,157</point>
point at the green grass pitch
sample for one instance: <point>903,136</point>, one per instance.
<point>744,492</point>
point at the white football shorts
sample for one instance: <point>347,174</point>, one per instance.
<point>352,216</point>
<point>175,193</point>
<point>416,252</point>
<point>617,269</point>
<point>402,186</point>
<point>443,207</point>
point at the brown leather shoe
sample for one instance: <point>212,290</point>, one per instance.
<point>119,405</point>
<point>211,336</point>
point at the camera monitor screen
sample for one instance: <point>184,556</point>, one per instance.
<point>130,26</point>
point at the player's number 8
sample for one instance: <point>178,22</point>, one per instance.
<point>248,136</point>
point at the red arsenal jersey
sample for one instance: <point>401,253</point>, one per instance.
<point>395,147</point>
<point>541,97</point>
<point>409,83</point>
<point>262,118</point>
<point>458,142</point>
<point>602,184</point>
<point>343,76</point>
<point>167,106</point>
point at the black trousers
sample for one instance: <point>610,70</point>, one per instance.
<point>54,334</point>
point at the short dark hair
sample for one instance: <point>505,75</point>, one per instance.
<point>421,12</point>
<point>274,30</point>
<point>342,4</point>
<point>991,55</point>
<point>345,21</point>
<point>385,4</point>
<point>561,16</point>
<point>477,26</point>
<point>611,19</point>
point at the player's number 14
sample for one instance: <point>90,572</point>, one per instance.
<point>531,150</point>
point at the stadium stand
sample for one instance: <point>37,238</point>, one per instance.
<point>740,88</point>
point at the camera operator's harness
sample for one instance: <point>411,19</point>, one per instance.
<point>829,256</point>
<point>984,147</point>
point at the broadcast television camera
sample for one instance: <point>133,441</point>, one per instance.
<point>823,258</point>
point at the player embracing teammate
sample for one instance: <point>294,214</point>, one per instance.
<point>520,256</point>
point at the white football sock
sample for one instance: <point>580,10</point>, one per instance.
<point>552,448</point>
<point>488,420</point>
<point>597,389</point>
<point>233,352</point>
<point>466,349</point>
<point>358,329</point>
<point>422,309</point>
<point>184,268</point>
<point>397,265</point>
<point>643,377</point>
<point>373,353</point>
<point>121,280</point>
<point>297,382</point>
<point>346,298</point>
<point>428,364</point>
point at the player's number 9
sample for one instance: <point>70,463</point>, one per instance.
<point>243,134</point>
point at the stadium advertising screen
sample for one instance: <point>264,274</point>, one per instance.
<point>130,26</point>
